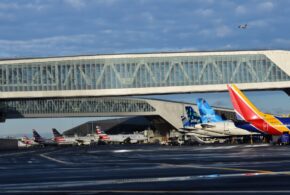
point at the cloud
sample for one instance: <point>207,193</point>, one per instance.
<point>222,31</point>
<point>9,6</point>
<point>148,17</point>
<point>258,23</point>
<point>77,4</point>
<point>240,10</point>
<point>204,12</point>
<point>6,16</point>
<point>20,6</point>
<point>45,46</point>
<point>266,6</point>
<point>282,42</point>
<point>204,32</point>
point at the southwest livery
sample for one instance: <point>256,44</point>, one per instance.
<point>265,123</point>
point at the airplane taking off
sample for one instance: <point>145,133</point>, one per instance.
<point>210,121</point>
<point>40,140</point>
<point>265,123</point>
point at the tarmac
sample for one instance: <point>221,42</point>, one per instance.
<point>147,169</point>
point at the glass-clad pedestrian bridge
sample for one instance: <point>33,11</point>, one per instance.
<point>131,74</point>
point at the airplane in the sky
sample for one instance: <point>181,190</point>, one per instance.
<point>42,141</point>
<point>243,26</point>
<point>259,121</point>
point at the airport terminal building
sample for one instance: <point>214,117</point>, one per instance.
<point>96,85</point>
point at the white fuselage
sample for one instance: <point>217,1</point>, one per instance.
<point>217,129</point>
<point>87,140</point>
<point>120,138</point>
<point>202,132</point>
<point>226,128</point>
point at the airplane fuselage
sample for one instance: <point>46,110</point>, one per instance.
<point>227,128</point>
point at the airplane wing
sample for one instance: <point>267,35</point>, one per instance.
<point>187,129</point>
<point>207,125</point>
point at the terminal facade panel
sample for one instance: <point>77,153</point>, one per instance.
<point>131,74</point>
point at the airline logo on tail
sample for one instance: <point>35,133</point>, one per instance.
<point>36,136</point>
<point>192,117</point>
<point>206,112</point>
<point>57,136</point>
<point>246,110</point>
<point>102,136</point>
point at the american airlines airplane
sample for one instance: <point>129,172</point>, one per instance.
<point>120,138</point>
<point>42,141</point>
<point>63,140</point>
<point>26,142</point>
<point>76,140</point>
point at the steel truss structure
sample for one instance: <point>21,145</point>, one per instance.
<point>142,72</point>
<point>74,107</point>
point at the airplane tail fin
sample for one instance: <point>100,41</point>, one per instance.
<point>98,130</point>
<point>192,117</point>
<point>56,133</point>
<point>185,121</point>
<point>244,109</point>
<point>207,113</point>
<point>102,135</point>
<point>36,135</point>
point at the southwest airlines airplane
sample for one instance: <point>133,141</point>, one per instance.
<point>265,123</point>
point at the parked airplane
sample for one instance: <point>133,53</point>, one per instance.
<point>210,121</point>
<point>192,126</point>
<point>26,142</point>
<point>120,138</point>
<point>76,140</point>
<point>102,135</point>
<point>40,140</point>
<point>265,123</point>
<point>63,140</point>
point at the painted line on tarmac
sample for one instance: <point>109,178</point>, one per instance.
<point>17,153</point>
<point>61,184</point>
<point>154,191</point>
<point>218,168</point>
<point>56,160</point>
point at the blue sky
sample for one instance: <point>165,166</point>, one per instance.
<point>72,27</point>
<point>67,27</point>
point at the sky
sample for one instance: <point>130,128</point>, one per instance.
<point>40,28</point>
